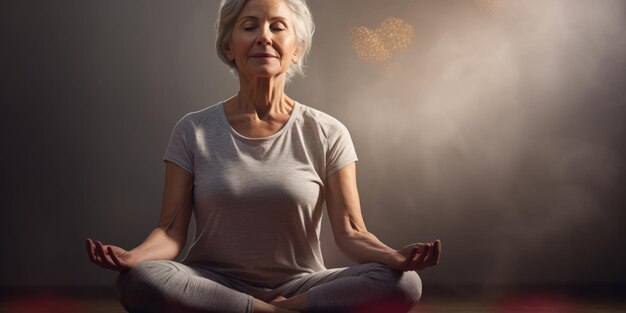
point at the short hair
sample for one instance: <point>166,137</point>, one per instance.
<point>302,23</point>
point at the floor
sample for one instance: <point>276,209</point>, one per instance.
<point>96,300</point>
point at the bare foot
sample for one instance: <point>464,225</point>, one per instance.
<point>278,299</point>
<point>263,307</point>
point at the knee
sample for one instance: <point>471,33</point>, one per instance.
<point>142,284</point>
<point>407,284</point>
<point>410,286</point>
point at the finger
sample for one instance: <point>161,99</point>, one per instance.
<point>96,256</point>
<point>90,250</point>
<point>411,256</point>
<point>104,260</point>
<point>431,254</point>
<point>422,255</point>
<point>421,262</point>
<point>99,255</point>
<point>418,264</point>
<point>419,249</point>
<point>114,258</point>
<point>437,252</point>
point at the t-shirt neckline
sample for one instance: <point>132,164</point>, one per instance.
<point>294,111</point>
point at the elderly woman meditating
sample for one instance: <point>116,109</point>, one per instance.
<point>255,171</point>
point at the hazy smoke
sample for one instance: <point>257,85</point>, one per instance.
<point>497,133</point>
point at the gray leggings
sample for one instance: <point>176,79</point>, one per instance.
<point>168,286</point>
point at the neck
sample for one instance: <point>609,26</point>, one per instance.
<point>263,96</point>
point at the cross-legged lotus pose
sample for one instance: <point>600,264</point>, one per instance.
<point>255,170</point>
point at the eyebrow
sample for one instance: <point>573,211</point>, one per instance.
<point>252,17</point>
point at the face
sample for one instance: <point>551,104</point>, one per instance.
<point>263,43</point>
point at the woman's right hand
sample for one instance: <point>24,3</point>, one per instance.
<point>109,256</point>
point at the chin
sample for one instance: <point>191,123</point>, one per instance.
<point>266,74</point>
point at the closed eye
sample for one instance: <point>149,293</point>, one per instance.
<point>273,28</point>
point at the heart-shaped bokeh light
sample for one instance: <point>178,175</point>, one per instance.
<point>378,45</point>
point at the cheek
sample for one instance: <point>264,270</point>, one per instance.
<point>239,43</point>
<point>291,42</point>
<point>289,46</point>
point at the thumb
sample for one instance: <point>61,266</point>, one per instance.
<point>114,257</point>
<point>411,255</point>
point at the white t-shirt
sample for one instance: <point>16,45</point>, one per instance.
<point>258,201</point>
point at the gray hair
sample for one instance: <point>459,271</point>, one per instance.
<point>303,27</point>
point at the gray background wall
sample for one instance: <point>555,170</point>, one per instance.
<point>500,133</point>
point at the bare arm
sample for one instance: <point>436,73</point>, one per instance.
<point>353,238</point>
<point>167,240</point>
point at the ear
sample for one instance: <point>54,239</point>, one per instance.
<point>296,54</point>
<point>229,52</point>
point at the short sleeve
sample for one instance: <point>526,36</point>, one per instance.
<point>180,150</point>
<point>341,150</point>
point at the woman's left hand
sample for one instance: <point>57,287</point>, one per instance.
<point>416,256</point>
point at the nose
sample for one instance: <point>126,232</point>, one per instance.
<point>265,37</point>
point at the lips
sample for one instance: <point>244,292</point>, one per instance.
<point>263,55</point>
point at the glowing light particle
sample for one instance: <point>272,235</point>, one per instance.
<point>378,45</point>
<point>368,46</point>
<point>395,34</point>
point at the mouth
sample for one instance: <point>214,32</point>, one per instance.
<point>263,55</point>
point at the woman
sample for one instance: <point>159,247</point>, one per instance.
<point>255,170</point>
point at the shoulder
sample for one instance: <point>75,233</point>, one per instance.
<point>328,124</point>
<point>197,118</point>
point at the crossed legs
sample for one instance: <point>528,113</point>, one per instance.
<point>167,286</point>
